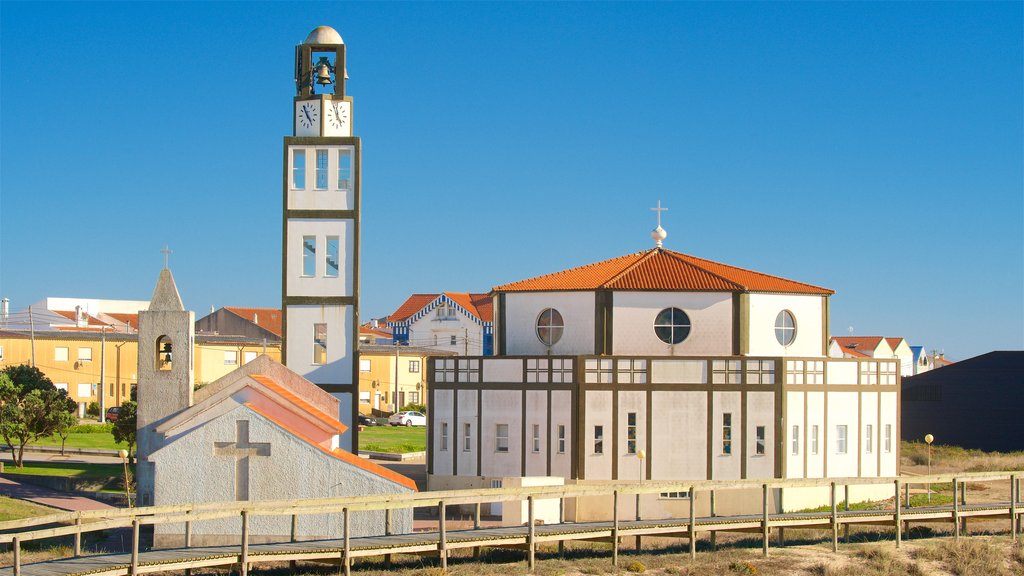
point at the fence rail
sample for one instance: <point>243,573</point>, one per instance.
<point>18,532</point>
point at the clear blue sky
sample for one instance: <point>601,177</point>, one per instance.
<point>872,148</point>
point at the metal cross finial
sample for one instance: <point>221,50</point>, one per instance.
<point>167,254</point>
<point>659,210</point>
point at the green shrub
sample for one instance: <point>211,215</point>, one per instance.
<point>93,409</point>
<point>421,408</point>
<point>636,567</point>
<point>745,568</point>
<point>92,428</point>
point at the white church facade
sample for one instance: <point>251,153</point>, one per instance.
<point>661,366</point>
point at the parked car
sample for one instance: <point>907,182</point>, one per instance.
<point>365,420</point>
<point>112,413</point>
<point>407,419</point>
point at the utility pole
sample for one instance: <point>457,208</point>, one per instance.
<point>103,374</point>
<point>395,399</point>
<point>32,329</point>
<point>466,331</point>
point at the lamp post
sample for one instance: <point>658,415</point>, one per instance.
<point>928,439</point>
<point>640,455</point>
<point>124,461</point>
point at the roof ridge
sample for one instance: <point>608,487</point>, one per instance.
<point>573,269</point>
<point>677,255</point>
<point>749,271</point>
<point>629,267</point>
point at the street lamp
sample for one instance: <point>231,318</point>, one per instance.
<point>640,455</point>
<point>124,461</point>
<point>928,439</point>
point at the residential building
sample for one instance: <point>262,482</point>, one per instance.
<point>457,322</point>
<point>389,372</point>
<point>253,323</point>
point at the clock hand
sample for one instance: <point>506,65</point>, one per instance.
<point>306,112</point>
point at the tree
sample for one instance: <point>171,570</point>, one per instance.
<point>124,428</point>
<point>65,422</point>
<point>28,409</point>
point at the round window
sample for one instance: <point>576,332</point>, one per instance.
<point>672,325</point>
<point>785,328</point>
<point>550,326</point>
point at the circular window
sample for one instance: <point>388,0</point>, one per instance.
<point>785,328</point>
<point>672,325</point>
<point>550,326</point>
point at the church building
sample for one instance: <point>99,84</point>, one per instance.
<point>659,365</point>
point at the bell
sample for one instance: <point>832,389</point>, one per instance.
<point>167,358</point>
<point>323,73</point>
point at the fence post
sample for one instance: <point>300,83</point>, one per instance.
<point>531,534</point>
<point>906,494</point>
<point>846,507</point>
<point>561,520</point>
<point>442,545</point>
<point>714,534</point>
<point>1013,508</point>
<point>615,528</point>
<point>387,532</point>
<point>963,502</point>
<point>956,512</point>
<point>896,516</point>
<point>764,521</point>
<point>693,524</point>
<point>78,537</point>
<point>292,537</point>
<point>16,544</point>
<point>135,546</point>
<point>346,548</point>
<point>188,537</point>
<point>244,558</point>
<point>476,526</point>
<point>835,520</point>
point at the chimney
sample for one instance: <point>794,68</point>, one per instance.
<point>80,319</point>
<point>374,324</point>
<point>5,309</point>
<point>255,318</point>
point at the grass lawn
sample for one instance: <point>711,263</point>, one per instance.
<point>11,509</point>
<point>393,439</point>
<point>85,440</point>
<point>71,469</point>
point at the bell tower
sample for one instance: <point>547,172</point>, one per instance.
<point>320,285</point>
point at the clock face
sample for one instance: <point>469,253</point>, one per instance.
<point>307,116</point>
<point>338,118</point>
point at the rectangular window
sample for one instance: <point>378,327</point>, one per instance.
<point>321,169</point>
<point>726,433</point>
<point>444,435</point>
<point>536,438</point>
<point>631,433</point>
<point>796,440</point>
<point>414,397</point>
<point>84,390</point>
<point>814,439</point>
<point>467,437</point>
<point>364,364</point>
<point>298,169</point>
<point>759,445</point>
<point>319,343</point>
<point>332,257</point>
<point>841,439</point>
<point>230,358</point>
<point>501,438</point>
<point>364,397</point>
<point>309,256</point>
<point>344,170</point>
<point>61,386</point>
<point>453,340</point>
<point>414,365</point>
<point>248,357</point>
<point>60,354</point>
<point>85,354</point>
<point>675,495</point>
<point>598,439</point>
<point>1,352</point>
<point>888,438</point>
<point>869,438</point>
<point>561,438</point>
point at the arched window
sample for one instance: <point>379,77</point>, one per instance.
<point>550,326</point>
<point>672,325</point>
<point>163,353</point>
<point>785,328</point>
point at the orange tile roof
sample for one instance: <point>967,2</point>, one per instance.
<point>341,454</point>
<point>477,304</point>
<point>267,318</point>
<point>90,319</point>
<point>893,342</point>
<point>364,329</point>
<point>855,353</point>
<point>660,269</point>
<point>858,342</point>
<point>129,319</point>
<point>313,411</point>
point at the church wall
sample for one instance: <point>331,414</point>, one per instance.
<point>890,416</point>
<point>795,447</point>
<point>678,432</point>
<point>501,407</point>
<point>726,466</point>
<point>440,414</point>
<point>869,450</point>
<point>597,412</point>
<point>330,198</point>
<point>523,308</point>
<point>561,415</point>
<point>319,284</point>
<point>815,417</point>
<point>807,311</point>
<point>466,460</point>
<point>842,411</point>
<point>841,373</point>
<point>338,366</point>
<point>710,315</point>
<point>536,415</point>
<point>760,412</point>
<point>629,465</point>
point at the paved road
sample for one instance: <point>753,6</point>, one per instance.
<point>47,497</point>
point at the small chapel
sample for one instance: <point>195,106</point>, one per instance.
<point>262,432</point>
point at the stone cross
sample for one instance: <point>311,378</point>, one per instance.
<point>167,254</point>
<point>241,449</point>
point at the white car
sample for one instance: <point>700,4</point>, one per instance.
<point>407,419</point>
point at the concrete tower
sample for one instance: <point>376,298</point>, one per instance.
<point>166,375</point>
<point>320,285</point>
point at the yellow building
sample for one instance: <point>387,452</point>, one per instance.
<point>378,384</point>
<point>78,361</point>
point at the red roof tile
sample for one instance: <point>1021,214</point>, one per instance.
<point>868,343</point>
<point>267,318</point>
<point>660,269</point>
<point>129,319</point>
<point>90,319</point>
<point>893,342</point>
<point>477,304</point>
<point>313,411</point>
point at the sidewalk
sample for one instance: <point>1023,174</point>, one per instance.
<point>47,497</point>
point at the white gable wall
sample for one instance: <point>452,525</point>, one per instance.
<point>436,333</point>
<point>522,309</point>
<point>710,316</point>
<point>807,311</point>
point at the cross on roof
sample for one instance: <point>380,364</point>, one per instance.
<point>659,210</point>
<point>241,449</point>
<point>167,254</point>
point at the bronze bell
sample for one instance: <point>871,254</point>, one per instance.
<point>323,72</point>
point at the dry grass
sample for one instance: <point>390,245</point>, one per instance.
<point>974,557</point>
<point>961,459</point>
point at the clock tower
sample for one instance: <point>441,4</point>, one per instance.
<point>320,286</point>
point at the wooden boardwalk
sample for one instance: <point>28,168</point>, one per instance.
<point>442,541</point>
